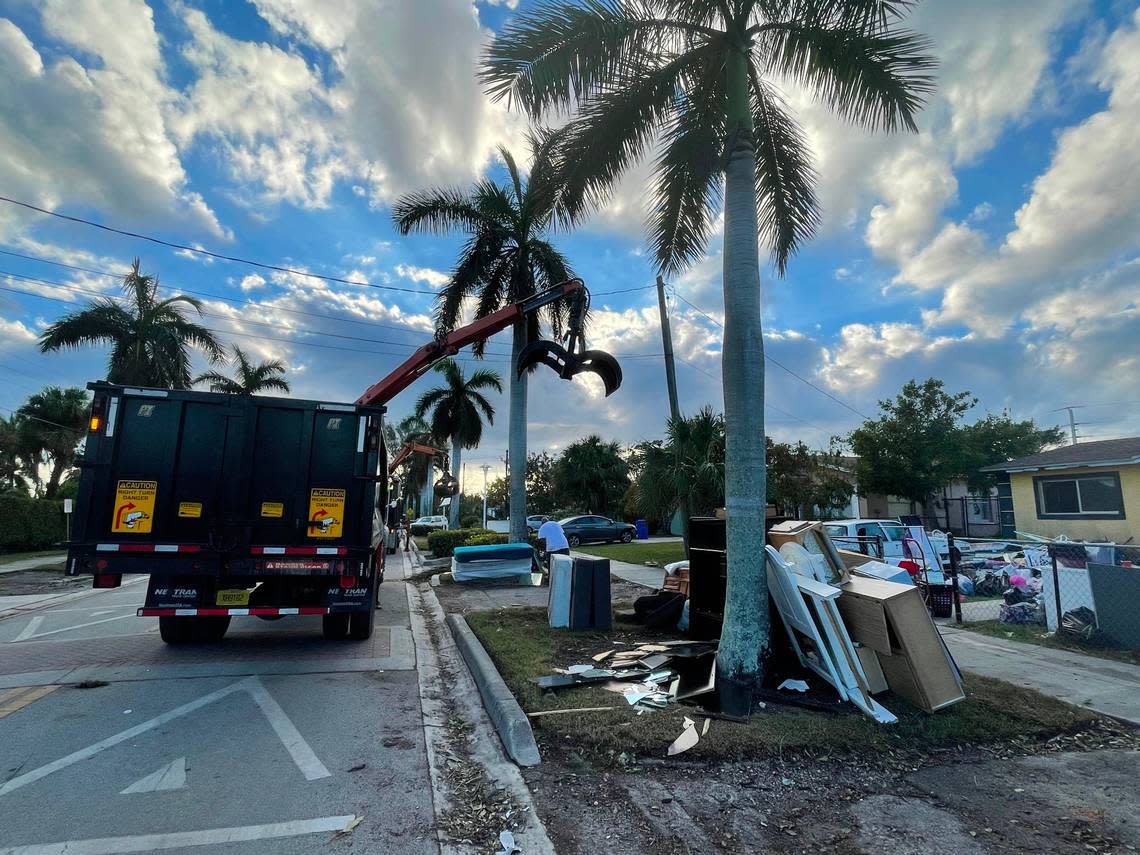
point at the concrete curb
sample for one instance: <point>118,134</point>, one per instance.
<point>511,722</point>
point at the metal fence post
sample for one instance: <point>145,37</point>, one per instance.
<point>1056,591</point>
<point>954,577</point>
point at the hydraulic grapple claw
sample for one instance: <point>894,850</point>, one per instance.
<point>567,364</point>
<point>447,485</point>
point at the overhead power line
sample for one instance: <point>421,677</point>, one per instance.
<point>278,268</point>
<point>781,365</point>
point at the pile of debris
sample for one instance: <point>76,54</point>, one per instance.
<point>649,676</point>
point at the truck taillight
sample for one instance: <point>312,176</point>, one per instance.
<point>98,409</point>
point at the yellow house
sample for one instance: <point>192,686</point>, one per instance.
<point>1089,491</point>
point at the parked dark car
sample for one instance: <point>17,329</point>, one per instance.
<point>594,529</point>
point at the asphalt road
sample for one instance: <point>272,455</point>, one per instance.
<point>270,742</point>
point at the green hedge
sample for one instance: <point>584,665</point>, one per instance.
<point>422,530</point>
<point>443,543</point>
<point>30,523</point>
<point>491,537</point>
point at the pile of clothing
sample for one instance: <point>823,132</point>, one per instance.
<point>1023,601</point>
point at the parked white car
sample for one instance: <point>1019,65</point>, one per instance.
<point>437,521</point>
<point>889,532</point>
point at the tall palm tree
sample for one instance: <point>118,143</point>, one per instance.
<point>16,464</point>
<point>456,411</point>
<point>686,471</point>
<point>150,338</point>
<point>507,257</point>
<point>250,379</point>
<point>51,423</point>
<point>698,77</point>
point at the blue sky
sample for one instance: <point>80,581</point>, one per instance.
<point>997,249</point>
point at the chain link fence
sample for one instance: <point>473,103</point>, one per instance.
<point>1082,593</point>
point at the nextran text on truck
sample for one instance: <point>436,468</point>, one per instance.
<point>235,505</point>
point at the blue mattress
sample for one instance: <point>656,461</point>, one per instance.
<point>493,552</point>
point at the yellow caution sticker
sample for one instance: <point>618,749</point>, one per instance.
<point>273,509</point>
<point>326,512</point>
<point>134,507</point>
<point>193,510</point>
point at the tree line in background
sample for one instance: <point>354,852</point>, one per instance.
<point>917,446</point>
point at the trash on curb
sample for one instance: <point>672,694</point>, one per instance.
<point>790,685</point>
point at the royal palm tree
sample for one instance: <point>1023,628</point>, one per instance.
<point>249,379</point>
<point>695,81</point>
<point>150,338</point>
<point>685,472</point>
<point>51,424</point>
<point>455,412</point>
<point>507,257</point>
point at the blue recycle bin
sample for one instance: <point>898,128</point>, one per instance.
<point>642,529</point>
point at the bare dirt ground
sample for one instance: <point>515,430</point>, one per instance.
<point>1059,798</point>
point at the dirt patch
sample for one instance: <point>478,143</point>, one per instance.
<point>21,583</point>
<point>1069,802</point>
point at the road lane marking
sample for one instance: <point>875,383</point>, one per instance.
<point>30,629</point>
<point>169,776</point>
<point>307,761</point>
<point>16,699</point>
<point>76,626</point>
<point>179,839</point>
<point>311,767</point>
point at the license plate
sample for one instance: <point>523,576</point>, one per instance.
<point>237,597</point>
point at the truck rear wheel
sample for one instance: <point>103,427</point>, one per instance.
<point>175,630</point>
<point>335,627</point>
<point>211,628</point>
<point>360,625</point>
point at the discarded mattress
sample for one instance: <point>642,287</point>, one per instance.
<point>493,561</point>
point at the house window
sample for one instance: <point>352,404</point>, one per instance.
<point>1079,497</point>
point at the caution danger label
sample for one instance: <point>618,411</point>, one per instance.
<point>326,512</point>
<point>134,507</point>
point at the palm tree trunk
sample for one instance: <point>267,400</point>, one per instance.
<point>456,464</point>
<point>57,468</point>
<point>516,437</point>
<point>427,493</point>
<point>745,637</point>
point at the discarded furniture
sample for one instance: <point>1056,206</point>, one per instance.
<point>579,593</point>
<point>892,620</point>
<point>708,576</point>
<point>494,561</point>
<point>808,610</point>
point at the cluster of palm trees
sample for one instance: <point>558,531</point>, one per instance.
<point>42,435</point>
<point>151,339</point>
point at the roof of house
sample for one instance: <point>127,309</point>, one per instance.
<point>1107,452</point>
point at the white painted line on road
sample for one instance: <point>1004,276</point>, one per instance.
<point>170,776</point>
<point>76,626</point>
<point>179,839</point>
<point>29,630</point>
<point>122,736</point>
<point>311,767</point>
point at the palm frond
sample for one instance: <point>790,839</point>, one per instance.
<point>484,378</point>
<point>104,321</point>
<point>513,171</point>
<point>476,259</point>
<point>613,130</point>
<point>878,78</point>
<point>558,53</point>
<point>687,189</point>
<point>436,211</point>
<point>787,212</point>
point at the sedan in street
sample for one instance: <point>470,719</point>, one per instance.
<point>595,529</point>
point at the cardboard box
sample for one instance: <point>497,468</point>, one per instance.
<point>892,620</point>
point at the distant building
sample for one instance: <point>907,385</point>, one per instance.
<point>1089,491</point>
